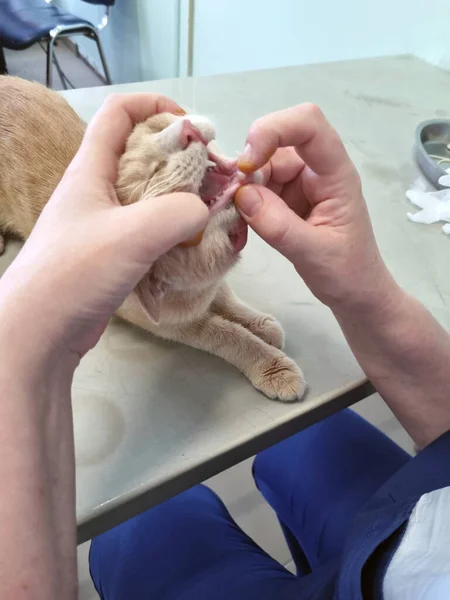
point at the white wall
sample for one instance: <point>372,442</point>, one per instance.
<point>159,38</point>
<point>239,35</point>
<point>145,39</point>
<point>433,33</point>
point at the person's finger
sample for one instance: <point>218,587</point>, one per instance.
<point>272,220</point>
<point>285,165</point>
<point>107,133</point>
<point>304,127</point>
<point>160,223</point>
<point>293,195</point>
<point>195,241</point>
<point>282,175</point>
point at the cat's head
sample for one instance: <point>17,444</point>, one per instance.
<point>169,153</point>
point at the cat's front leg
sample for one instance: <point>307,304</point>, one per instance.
<point>269,369</point>
<point>266,327</point>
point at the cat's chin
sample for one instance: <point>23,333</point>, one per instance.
<point>238,236</point>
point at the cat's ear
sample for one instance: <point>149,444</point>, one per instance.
<point>150,292</point>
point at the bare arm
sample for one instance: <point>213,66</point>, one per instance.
<point>37,503</point>
<point>84,256</point>
<point>312,210</point>
<point>406,354</point>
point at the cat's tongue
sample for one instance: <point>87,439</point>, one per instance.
<point>213,185</point>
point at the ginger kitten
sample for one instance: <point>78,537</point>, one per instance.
<point>184,296</point>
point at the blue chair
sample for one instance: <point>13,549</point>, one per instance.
<point>25,22</point>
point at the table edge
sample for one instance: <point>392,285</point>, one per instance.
<point>121,509</point>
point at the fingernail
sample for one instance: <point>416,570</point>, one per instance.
<point>245,161</point>
<point>195,241</point>
<point>248,200</point>
<point>180,112</point>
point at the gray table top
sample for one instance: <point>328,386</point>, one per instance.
<point>152,418</point>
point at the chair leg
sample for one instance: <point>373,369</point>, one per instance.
<point>102,58</point>
<point>3,67</point>
<point>50,54</point>
<point>60,72</point>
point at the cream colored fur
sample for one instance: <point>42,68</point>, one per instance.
<point>183,297</point>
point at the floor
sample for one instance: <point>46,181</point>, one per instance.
<point>31,64</point>
<point>235,486</point>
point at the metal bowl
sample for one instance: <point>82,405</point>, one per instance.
<point>432,149</point>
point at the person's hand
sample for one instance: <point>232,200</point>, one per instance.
<point>87,252</point>
<point>311,208</point>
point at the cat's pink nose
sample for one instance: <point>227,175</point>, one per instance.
<point>190,134</point>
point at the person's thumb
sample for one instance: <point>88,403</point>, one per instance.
<point>160,223</point>
<point>272,220</point>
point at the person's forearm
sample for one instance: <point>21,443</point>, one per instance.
<point>406,354</point>
<point>37,503</point>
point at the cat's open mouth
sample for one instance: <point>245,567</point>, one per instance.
<point>222,178</point>
<point>220,183</point>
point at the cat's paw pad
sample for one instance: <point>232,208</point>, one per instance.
<point>280,378</point>
<point>269,330</point>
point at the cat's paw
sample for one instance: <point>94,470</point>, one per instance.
<point>269,330</point>
<point>278,377</point>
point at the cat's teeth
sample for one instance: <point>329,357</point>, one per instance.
<point>211,163</point>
